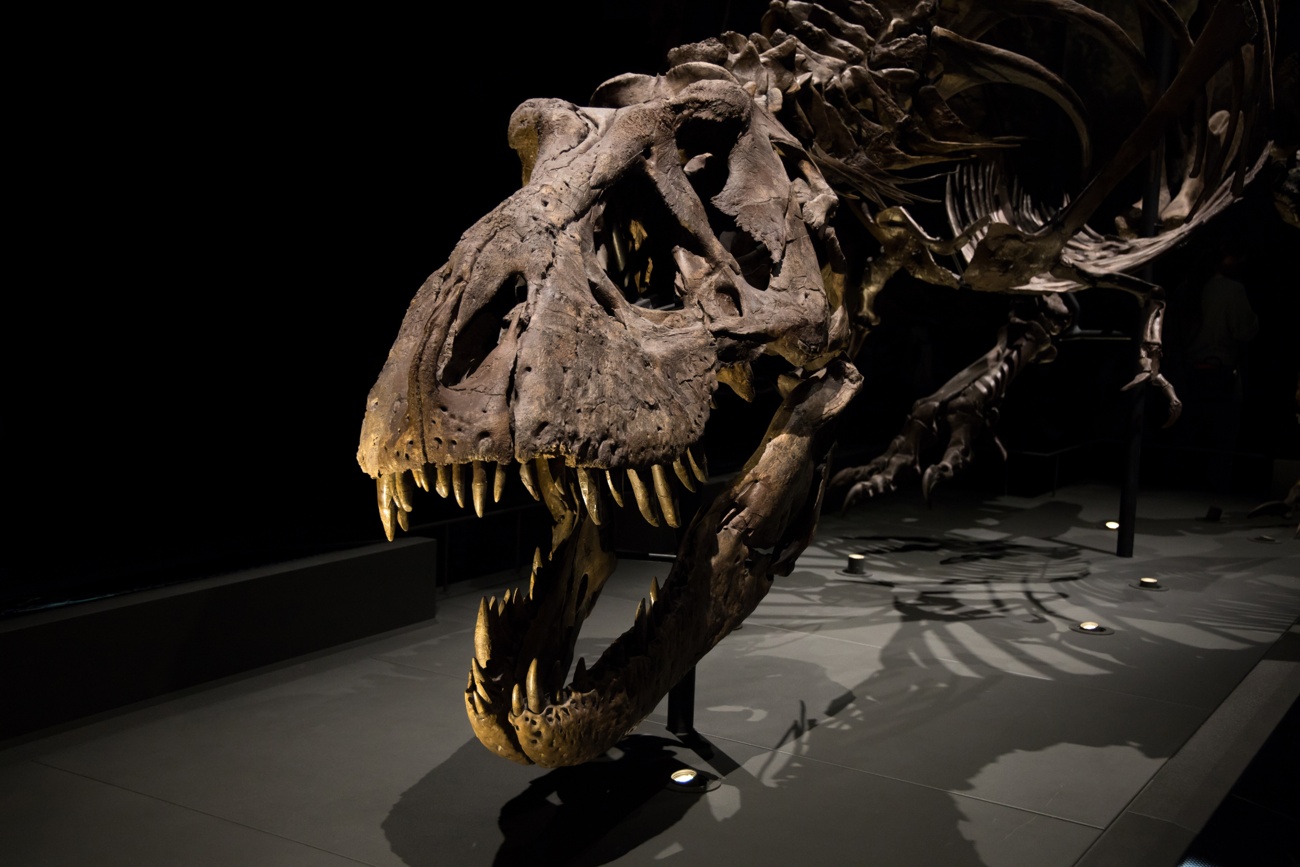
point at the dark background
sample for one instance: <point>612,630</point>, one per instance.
<point>228,215</point>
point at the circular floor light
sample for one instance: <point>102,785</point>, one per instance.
<point>1111,525</point>
<point>691,781</point>
<point>856,565</point>
<point>1091,627</point>
<point>1150,584</point>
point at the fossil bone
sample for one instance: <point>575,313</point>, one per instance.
<point>753,201</point>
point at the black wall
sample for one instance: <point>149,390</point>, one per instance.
<point>227,216</point>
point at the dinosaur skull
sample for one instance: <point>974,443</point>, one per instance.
<point>661,241</point>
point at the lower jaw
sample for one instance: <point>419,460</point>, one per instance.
<point>729,555</point>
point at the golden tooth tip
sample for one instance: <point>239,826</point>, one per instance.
<point>480,488</point>
<point>442,483</point>
<point>664,491</point>
<point>642,495</point>
<point>683,475</point>
<point>458,484</point>
<point>615,488</point>
<point>528,475</point>
<point>700,472</point>
<point>499,482</point>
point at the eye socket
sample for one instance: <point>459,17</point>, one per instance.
<point>484,330</point>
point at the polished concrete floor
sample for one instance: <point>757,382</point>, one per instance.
<point>939,712</point>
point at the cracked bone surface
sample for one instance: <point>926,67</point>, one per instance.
<point>732,223</point>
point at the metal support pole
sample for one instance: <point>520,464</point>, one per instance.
<point>681,705</point>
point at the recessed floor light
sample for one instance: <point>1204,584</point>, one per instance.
<point>1112,525</point>
<point>855,565</point>
<point>1149,584</point>
<point>1091,627</point>
<point>691,781</point>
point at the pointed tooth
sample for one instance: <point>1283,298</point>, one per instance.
<point>542,470</point>
<point>534,689</point>
<point>482,634</point>
<point>458,483</point>
<point>528,476</point>
<point>558,474</point>
<point>404,520</point>
<point>505,599</point>
<point>480,488</point>
<point>701,473</point>
<point>538,560</point>
<point>478,703</point>
<point>480,680</point>
<point>532,586</point>
<point>443,482</point>
<point>387,511</point>
<point>581,681</point>
<point>590,494</point>
<point>684,475</point>
<point>642,498</point>
<point>664,491</point>
<point>517,700</point>
<point>642,623</point>
<point>654,589</point>
<point>421,479</point>
<point>403,491</point>
<point>615,488</point>
<point>499,482</point>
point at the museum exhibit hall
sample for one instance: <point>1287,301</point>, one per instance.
<point>849,432</point>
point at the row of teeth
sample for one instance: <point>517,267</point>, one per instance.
<point>395,491</point>
<point>483,690</point>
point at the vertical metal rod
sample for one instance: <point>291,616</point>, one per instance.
<point>681,705</point>
<point>1150,224</point>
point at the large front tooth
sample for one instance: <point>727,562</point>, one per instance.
<point>480,680</point>
<point>528,476</point>
<point>443,482</point>
<point>403,491</point>
<point>664,491</point>
<point>517,700</point>
<point>499,482</point>
<point>615,487</point>
<point>654,589</point>
<point>684,475</point>
<point>642,498</point>
<point>700,473</point>
<point>534,689</point>
<point>482,634</point>
<point>590,494</point>
<point>480,488</point>
<point>458,484</point>
<point>387,511</point>
<point>556,470</point>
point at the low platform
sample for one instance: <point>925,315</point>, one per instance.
<point>942,710</point>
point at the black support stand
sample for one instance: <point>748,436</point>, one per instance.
<point>681,705</point>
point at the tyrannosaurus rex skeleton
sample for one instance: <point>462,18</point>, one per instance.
<point>752,200</point>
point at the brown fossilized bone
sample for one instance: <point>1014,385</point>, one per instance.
<point>751,201</point>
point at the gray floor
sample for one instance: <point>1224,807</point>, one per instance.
<point>941,712</point>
